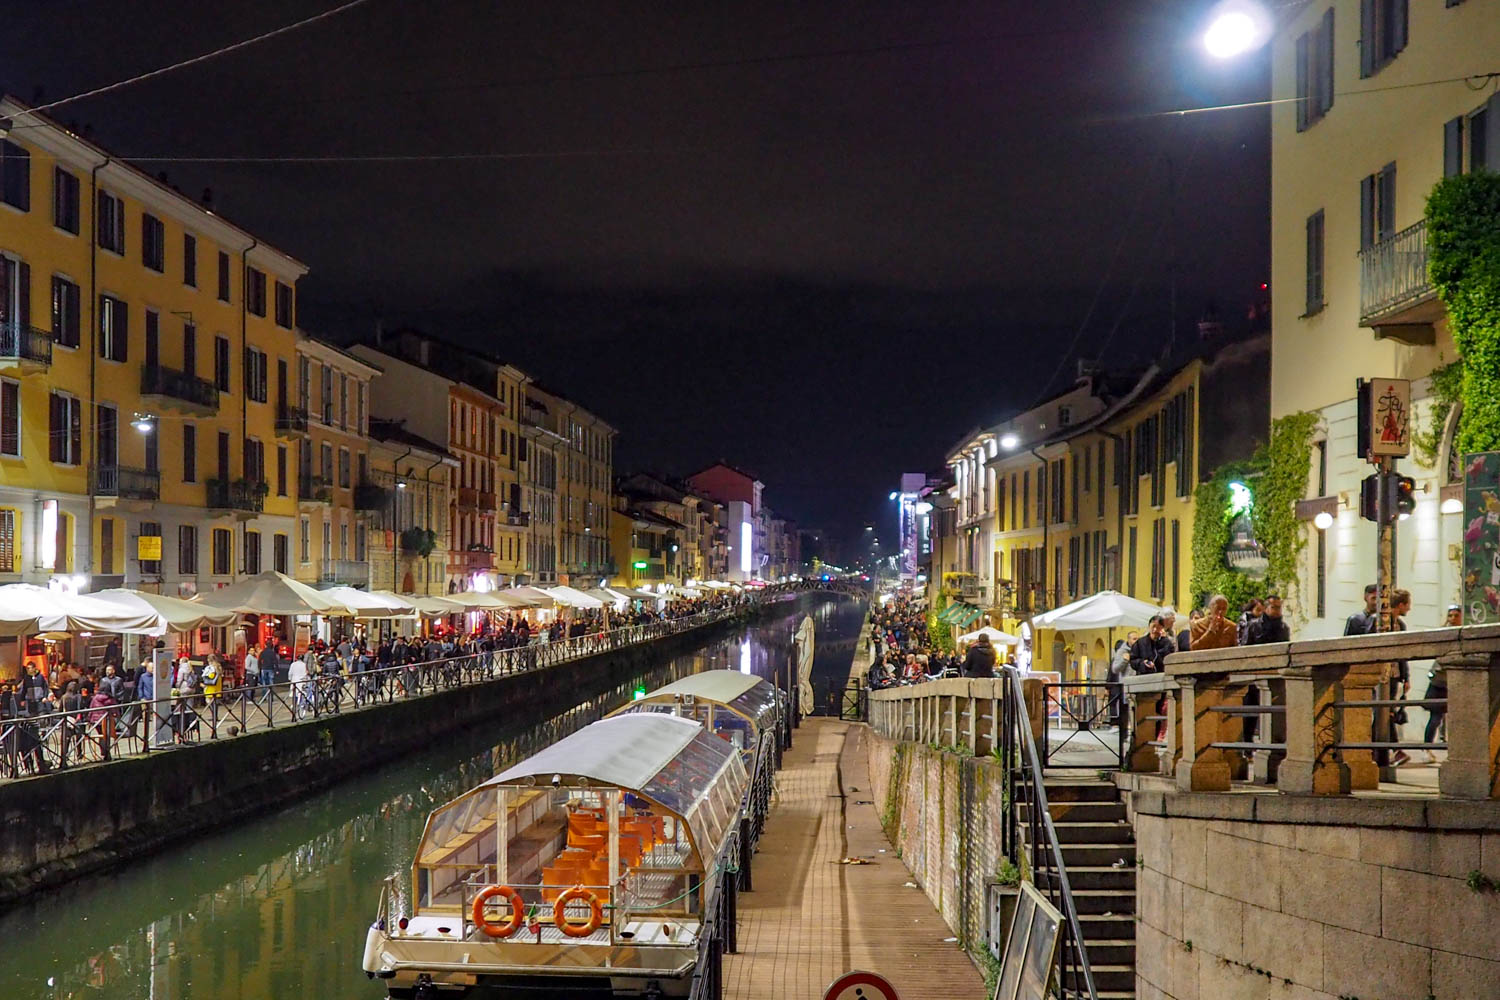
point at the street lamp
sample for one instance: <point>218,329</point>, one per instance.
<point>1236,27</point>
<point>1009,442</point>
<point>144,422</point>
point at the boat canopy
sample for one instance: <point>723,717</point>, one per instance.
<point>731,704</point>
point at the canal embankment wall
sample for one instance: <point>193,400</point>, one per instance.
<point>60,826</point>
<point>945,813</point>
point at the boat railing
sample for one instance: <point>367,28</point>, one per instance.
<point>539,903</point>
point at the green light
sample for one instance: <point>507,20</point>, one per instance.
<point>638,565</point>
<point>1240,499</point>
<point>640,693</point>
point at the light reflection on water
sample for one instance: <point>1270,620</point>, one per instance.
<point>278,907</point>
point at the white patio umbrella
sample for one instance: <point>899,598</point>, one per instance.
<point>176,615</point>
<point>997,637</point>
<point>1106,609</point>
<point>569,597</point>
<point>436,607</point>
<point>370,603</point>
<point>493,600</point>
<point>26,609</point>
<point>275,593</point>
<point>534,597</point>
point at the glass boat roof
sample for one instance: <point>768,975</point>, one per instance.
<point>745,694</point>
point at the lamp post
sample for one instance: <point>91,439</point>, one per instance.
<point>1236,27</point>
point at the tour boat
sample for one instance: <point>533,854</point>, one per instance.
<point>734,706</point>
<point>615,879</point>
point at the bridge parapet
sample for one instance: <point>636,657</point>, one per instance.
<point>1312,717</point>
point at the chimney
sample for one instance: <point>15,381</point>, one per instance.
<point>208,198</point>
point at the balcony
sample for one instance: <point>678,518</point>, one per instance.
<point>470,561</point>
<point>467,498</point>
<point>24,348</point>
<point>1396,297</point>
<point>368,496</point>
<point>120,485</point>
<point>344,572</point>
<point>314,489</point>
<point>487,501</point>
<point>291,421</point>
<point>170,389</point>
<point>243,496</point>
<point>518,519</point>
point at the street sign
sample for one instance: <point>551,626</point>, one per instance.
<point>858,985</point>
<point>1384,406</point>
<point>148,548</point>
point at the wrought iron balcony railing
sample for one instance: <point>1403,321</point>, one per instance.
<point>25,343</point>
<point>159,380</point>
<point>1393,274</point>
<point>315,489</point>
<point>239,494</point>
<point>125,482</point>
<point>368,496</point>
<point>291,420</point>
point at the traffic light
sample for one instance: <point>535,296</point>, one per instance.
<point>1369,498</point>
<point>1405,495</point>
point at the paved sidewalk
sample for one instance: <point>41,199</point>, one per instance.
<point>810,918</point>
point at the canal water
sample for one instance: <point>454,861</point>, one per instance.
<point>277,908</point>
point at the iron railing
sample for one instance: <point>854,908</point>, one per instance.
<point>159,380</point>
<point>238,494</point>
<point>1087,716</point>
<point>314,489</point>
<point>370,496</point>
<point>125,482</point>
<point>1393,273</point>
<point>350,572</point>
<point>291,420</point>
<point>1035,837</point>
<point>25,343</point>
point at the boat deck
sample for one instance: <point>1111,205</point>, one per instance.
<point>810,918</point>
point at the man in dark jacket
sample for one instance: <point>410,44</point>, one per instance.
<point>1270,626</point>
<point>1151,649</point>
<point>980,660</point>
<point>1364,622</point>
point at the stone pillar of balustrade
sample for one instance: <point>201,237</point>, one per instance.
<point>1472,770</point>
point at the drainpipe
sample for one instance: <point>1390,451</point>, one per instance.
<point>93,444</point>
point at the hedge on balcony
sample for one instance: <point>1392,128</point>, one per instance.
<point>1463,260</point>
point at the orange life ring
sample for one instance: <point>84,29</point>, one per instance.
<point>560,916</point>
<point>506,928</point>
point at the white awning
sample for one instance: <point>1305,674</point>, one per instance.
<point>274,593</point>
<point>997,637</point>
<point>175,614</point>
<point>534,597</point>
<point>370,603</point>
<point>1106,609</point>
<point>26,609</point>
<point>571,598</point>
<point>437,607</point>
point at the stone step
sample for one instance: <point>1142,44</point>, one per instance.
<point>1080,812</point>
<point>1079,791</point>
<point>1111,951</point>
<point>1102,901</point>
<point>1095,833</point>
<point>1116,927</point>
<point>1097,855</point>
<point>1102,877</point>
<point>1111,977</point>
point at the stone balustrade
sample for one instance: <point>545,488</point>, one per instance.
<point>952,712</point>
<point>1309,717</point>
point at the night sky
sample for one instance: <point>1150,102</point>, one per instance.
<point>819,239</point>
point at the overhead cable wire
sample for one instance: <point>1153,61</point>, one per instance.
<point>1475,81</point>
<point>206,56</point>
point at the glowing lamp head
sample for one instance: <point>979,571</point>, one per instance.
<point>1009,442</point>
<point>1452,505</point>
<point>1323,521</point>
<point>1236,27</point>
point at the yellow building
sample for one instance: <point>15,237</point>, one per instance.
<point>642,542</point>
<point>581,448</point>
<point>411,474</point>
<point>139,334</point>
<point>332,422</point>
<point>513,520</point>
<point>1077,505</point>
<point>1350,174</point>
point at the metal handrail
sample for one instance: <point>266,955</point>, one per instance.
<point>1043,834</point>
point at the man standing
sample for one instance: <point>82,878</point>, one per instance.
<point>980,660</point>
<point>1151,649</point>
<point>1364,622</point>
<point>1270,626</point>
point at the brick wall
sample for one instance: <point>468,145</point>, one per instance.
<point>1315,910</point>
<point>944,814</point>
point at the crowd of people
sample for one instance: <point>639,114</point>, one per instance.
<point>105,701</point>
<point>902,653</point>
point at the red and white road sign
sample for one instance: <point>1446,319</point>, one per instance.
<point>860,986</point>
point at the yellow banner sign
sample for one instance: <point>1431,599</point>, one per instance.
<point>148,548</point>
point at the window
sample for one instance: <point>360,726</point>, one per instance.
<point>67,315</point>
<point>1382,33</point>
<point>223,552</point>
<point>189,453</point>
<point>150,529</point>
<point>190,260</point>
<point>190,348</point>
<point>344,468</point>
<point>111,222</point>
<point>1471,142</point>
<point>362,424</point>
<point>1130,574</point>
<point>255,291</point>
<point>304,541</point>
<point>187,550</point>
<point>114,329</point>
<point>65,201</point>
<point>304,383</point>
<point>326,385</point>
<point>255,461</point>
<point>326,465</point>
<point>1099,496</point>
<point>223,276</point>
<point>153,242</point>
<point>327,543</point>
<point>221,363</point>
<point>1176,594</point>
<point>279,553</point>
<point>252,551</point>
<point>343,541</point>
<point>1314,302</point>
<point>1315,72</point>
<point>255,374</point>
<point>1377,207</point>
<point>65,429</point>
<point>10,427</point>
<point>284,315</point>
<point>343,400</point>
<point>15,176</point>
<point>1064,416</point>
<point>281,470</point>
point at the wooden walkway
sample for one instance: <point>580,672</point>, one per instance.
<point>810,918</point>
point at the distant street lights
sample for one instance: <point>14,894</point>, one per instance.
<point>1236,27</point>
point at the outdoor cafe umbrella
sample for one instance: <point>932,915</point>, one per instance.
<point>569,597</point>
<point>26,609</point>
<point>370,604</point>
<point>437,607</point>
<point>533,596</point>
<point>175,614</point>
<point>996,636</point>
<point>275,593</point>
<point>1106,609</point>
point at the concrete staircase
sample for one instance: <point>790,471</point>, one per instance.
<point>1095,838</point>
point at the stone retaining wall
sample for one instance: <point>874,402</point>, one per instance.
<point>1275,897</point>
<point>59,826</point>
<point>944,813</point>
